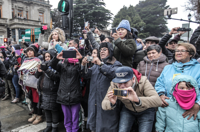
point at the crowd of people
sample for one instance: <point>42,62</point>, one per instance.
<point>161,79</point>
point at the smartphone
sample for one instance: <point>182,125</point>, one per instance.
<point>82,42</point>
<point>44,27</point>
<point>69,54</point>
<point>114,30</point>
<point>184,29</point>
<point>86,24</point>
<point>120,92</point>
<point>89,58</point>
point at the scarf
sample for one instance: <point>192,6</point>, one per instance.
<point>185,98</point>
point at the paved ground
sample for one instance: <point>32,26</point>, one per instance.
<point>14,119</point>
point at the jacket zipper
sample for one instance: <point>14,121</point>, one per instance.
<point>150,71</point>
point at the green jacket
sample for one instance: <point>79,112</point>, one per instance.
<point>124,51</point>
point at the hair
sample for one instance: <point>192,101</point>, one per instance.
<point>188,84</point>
<point>61,35</point>
<point>98,53</point>
<point>128,35</point>
<point>76,41</point>
<point>189,47</point>
<point>154,47</point>
<point>110,39</point>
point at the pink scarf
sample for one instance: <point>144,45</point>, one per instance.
<point>185,98</point>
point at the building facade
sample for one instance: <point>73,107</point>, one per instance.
<point>18,15</point>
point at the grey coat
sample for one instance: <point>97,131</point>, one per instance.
<point>98,119</point>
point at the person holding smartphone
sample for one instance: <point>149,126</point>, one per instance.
<point>125,45</point>
<point>140,102</point>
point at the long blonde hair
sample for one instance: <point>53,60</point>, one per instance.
<point>61,35</point>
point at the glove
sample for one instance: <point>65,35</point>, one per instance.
<point>44,67</point>
<point>42,31</point>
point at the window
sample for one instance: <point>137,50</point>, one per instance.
<point>1,11</point>
<point>1,39</point>
<point>13,13</point>
<point>20,14</point>
<point>27,15</point>
<point>41,17</point>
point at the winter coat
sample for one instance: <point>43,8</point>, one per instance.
<point>164,81</point>
<point>139,55</point>
<point>48,91</point>
<point>98,119</point>
<point>47,45</point>
<point>170,118</point>
<point>69,91</point>
<point>169,53</point>
<point>124,51</point>
<point>3,70</point>
<point>195,39</point>
<point>152,69</point>
<point>145,92</point>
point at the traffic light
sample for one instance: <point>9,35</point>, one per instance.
<point>63,6</point>
<point>9,33</point>
<point>5,40</point>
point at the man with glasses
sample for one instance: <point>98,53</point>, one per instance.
<point>169,45</point>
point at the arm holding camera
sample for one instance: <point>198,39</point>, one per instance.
<point>90,36</point>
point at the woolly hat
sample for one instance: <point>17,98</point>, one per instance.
<point>33,47</point>
<point>124,24</point>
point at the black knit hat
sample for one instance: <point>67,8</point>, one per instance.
<point>33,47</point>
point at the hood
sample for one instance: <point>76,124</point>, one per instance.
<point>16,47</point>
<point>110,49</point>
<point>52,52</point>
<point>186,78</point>
<point>161,59</point>
<point>180,66</point>
<point>137,74</point>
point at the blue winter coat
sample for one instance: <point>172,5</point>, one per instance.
<point>170,119</point>
<point>164,82</point>
<point>100,78</point>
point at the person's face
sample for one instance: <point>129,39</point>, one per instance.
<point>122,32</point>
<point>182,54</point>
<point>153,54</point>
<point>30,53</point>
<point>47,57</point>
<point>55,36</point>
<point>172,45</point>
<point>94,53</point>
<point>148,43</point>
<point>127,84</point>
<point>71,43</point>
<point>182,86</point>
<point>104,52</point>
<point>106,40</point>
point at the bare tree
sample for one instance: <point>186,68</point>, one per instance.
<point>194,6</point>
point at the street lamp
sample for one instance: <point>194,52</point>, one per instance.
<point>189,18</point>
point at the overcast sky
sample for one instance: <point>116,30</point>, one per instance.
<point>115,5</point>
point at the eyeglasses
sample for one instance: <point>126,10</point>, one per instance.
<point>104,49</point>
<point>182,51</point>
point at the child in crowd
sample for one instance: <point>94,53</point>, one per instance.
<point>170,119</point>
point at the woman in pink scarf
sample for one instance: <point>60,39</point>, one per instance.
<point>184,92</point>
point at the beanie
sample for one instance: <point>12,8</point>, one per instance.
<point>34,47</point>
<point>124,24</point>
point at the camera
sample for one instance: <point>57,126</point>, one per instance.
<point>44,64</point>
<point>89,58</point>
<point>120,92</point>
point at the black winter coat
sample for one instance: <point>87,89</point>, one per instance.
<point>48,91</point>
<point>69,92</point>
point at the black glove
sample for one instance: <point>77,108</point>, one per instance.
<point>44,67</point>
<point>42,31</point>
